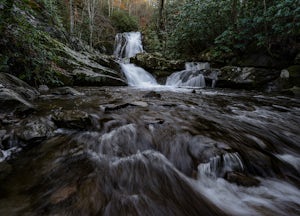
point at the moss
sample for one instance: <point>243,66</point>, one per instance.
<point>294,71</point>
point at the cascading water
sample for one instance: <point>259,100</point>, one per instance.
<point>127,45</point>
<point>190,77</point>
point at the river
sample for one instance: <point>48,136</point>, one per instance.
<point>154,150</point>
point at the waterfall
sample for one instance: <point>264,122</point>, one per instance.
<point>190,77</point>
<point>127,45</point>
<point>137,76</point>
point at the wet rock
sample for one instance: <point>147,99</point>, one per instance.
<point>284,74</point>
<point>5,168</point>
<point>65,91</point>
<point>2,136</point>
<point>11,101</point>
<point>157,65</point>
<point>242,179</point>
<point>294,75</point>
<point>62,194</point>
<point>257,163</point>
<point>106,77</point>
<point>43,88</point>
<point>288,82</point>
<point>246,77</point>
<point>107,61</point>
<point>152,94</point>
<point>112,107</point>
<point>11,82</point>
<point>202,149</point>
<point>35,130</point>
<point>139,103</point>
<point>72,119</point>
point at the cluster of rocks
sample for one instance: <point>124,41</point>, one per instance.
<point>260,78</point>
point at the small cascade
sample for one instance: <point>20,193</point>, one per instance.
<point>127,45</point>
<point>218,166</point>
<point>190,77</point>
<point>137,76</point>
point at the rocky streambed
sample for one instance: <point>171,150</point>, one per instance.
<point>161,151</point>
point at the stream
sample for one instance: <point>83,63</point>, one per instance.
<point>154,150</point>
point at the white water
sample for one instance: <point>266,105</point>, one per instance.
<point>137,76</point>
<point>127,45</point>
<point>271,197</point>
<point>190,77</point>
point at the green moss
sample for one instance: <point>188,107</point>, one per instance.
<point>294,71</point>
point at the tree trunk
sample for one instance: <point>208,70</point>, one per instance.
<point>234,13</point>
<point>160,15</point>
<point>71,17</point>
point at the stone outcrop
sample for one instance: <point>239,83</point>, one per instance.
<point>86,69</point>
<point>157,65</point>
<point>246,77</point>
<point>15,95</point>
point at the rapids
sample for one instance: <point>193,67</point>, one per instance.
<point>152,151</point>
<point>141,152</point>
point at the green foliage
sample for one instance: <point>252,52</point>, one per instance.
<point>229,27</point>
<point>123,22</point>
<point>27,51</point>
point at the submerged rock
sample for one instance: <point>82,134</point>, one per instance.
<point>65,91</point>
<point>242,179</point>
<point>152,94</point>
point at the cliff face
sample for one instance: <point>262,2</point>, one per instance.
<point>35,47</point>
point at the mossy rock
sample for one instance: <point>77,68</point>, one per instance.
<point>156,64</point>
<point>294,75</point>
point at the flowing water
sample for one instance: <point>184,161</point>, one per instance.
<point>157,151</point>
<point>128,151</point>
<point>127,45</point>
<point>190,77</point>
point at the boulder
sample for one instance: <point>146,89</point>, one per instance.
<point>294,75</point>
<point>246,77</point>
<point>11,101</point>
<point>107,61</point>
<point>241,179</point>
<point>88,77</point>
<point>35,130</point>
<point>152,94</point>
<point>72,119</point>
<point>43,88</point>
<point>157,65</point>
<point>9,81</point>
<point>288,82</point>
<point>87,69</point>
